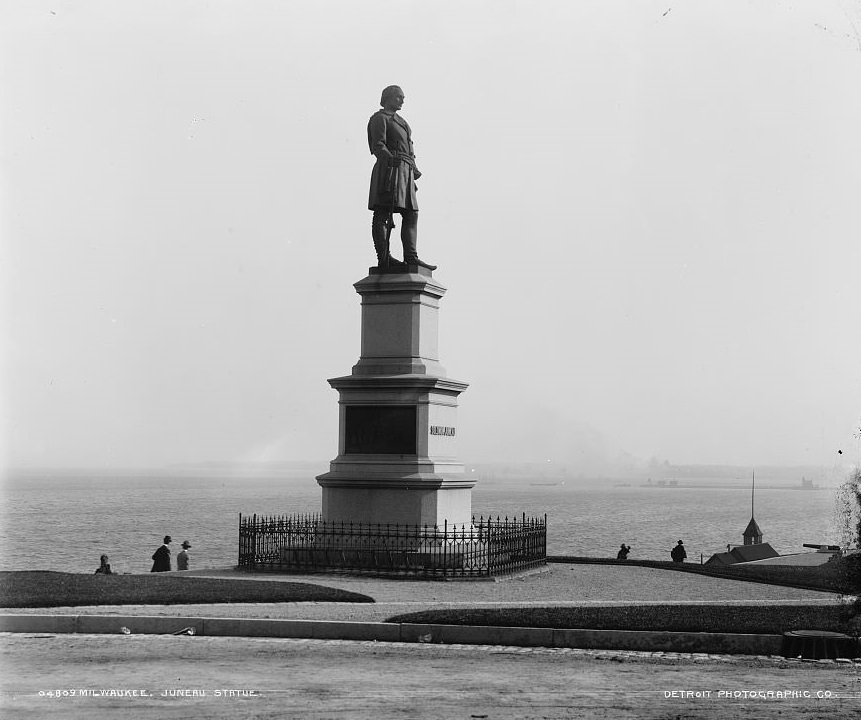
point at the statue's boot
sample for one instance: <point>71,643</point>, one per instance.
<point>381,244</point>
<point>409,233</point>
<point>381,227</point>
<point>385,260</point>
<point>420,263</point>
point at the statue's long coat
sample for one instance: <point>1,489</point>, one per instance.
<point>388,136</point>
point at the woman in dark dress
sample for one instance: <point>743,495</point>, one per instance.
<point>161,557</point>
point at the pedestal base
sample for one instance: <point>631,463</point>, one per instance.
<point>398,505</point>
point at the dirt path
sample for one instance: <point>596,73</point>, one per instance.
<point>314,680</point>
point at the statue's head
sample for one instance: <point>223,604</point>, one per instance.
<point>390,97</point>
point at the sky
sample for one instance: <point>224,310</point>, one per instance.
<point>646,215</point>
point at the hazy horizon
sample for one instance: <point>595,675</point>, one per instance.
<point>305,472</point>
<point>646,218</point>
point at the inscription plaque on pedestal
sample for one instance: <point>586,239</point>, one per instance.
<point>380,429</point>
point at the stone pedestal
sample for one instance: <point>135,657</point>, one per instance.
<point>397,429</point>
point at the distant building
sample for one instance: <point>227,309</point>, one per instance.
<point>743,553</point>
<point>807,559</point>
<point>754,548</point>
<point>721,559</point>
<point>752,534</point>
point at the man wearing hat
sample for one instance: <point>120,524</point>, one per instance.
<point>161,557</point>
<point>182,556</point>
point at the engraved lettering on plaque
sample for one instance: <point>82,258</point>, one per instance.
<point>441,430</point>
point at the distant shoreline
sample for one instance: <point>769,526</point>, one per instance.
<point>700,486</point>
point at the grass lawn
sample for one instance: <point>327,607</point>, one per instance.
<point>42,588</point>
<point>840,575</point>
<point>668,618</point>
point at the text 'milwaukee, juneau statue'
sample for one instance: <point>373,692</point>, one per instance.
<point>393,181</point>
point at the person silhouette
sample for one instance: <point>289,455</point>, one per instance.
<point>182,556</point>
<point>161,557</point>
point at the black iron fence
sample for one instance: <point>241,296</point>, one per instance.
<point>307,544</point>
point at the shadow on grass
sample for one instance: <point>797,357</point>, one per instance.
<point>668,618</point>
<point>43,588</point>
<point>840,575</point>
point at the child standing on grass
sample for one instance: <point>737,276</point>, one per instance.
<point>182,556</point>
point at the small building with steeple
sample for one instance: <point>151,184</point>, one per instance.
<point>752,549</point>
<point>752,535</point>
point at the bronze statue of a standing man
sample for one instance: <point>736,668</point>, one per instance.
<point>393,186</point>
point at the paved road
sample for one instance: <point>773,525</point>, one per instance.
<point>317,680</point>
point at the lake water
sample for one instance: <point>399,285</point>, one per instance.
<point>65,522</point>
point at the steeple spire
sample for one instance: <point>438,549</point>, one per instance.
<point>752,534</point>
<point>752,486</point>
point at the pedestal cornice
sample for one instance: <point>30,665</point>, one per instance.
<point>384,382</point>
<point>400,282</point>
<point>414,481</point>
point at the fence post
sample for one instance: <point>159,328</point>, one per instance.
<point>445,546</point>
<point>254,541</point>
